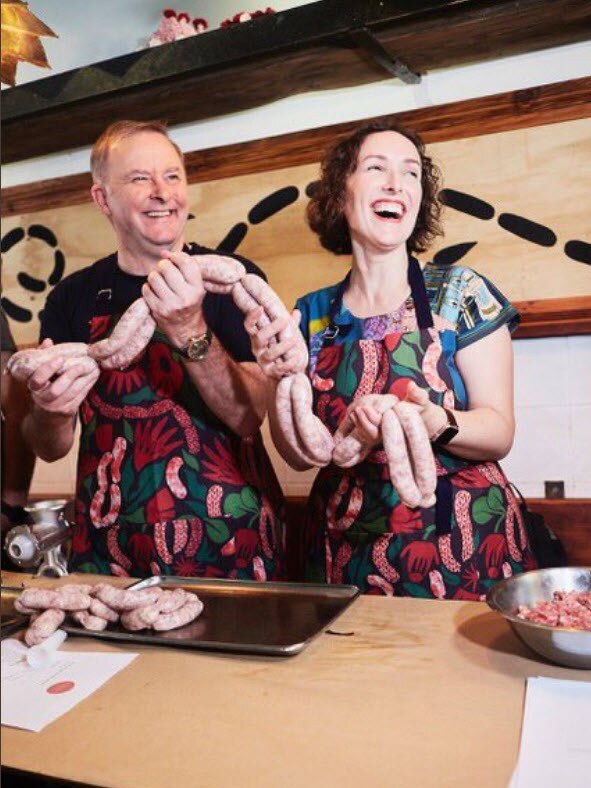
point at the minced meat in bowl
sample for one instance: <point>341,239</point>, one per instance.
<point>547,609</point>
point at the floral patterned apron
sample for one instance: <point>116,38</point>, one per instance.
<point>357,530</point>
<point>163,487</point>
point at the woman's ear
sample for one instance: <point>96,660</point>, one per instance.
<point>99,196</point>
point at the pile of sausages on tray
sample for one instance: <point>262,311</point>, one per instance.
<point>94,607</point>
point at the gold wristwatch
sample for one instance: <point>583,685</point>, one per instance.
<point>197,347</point>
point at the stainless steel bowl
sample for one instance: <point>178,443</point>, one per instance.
<point>571,647</point>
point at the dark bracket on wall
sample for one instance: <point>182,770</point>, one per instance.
<point>370,44</point>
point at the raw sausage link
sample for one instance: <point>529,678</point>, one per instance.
<point>44,626</point>
<point>37,598</point>
<point>123,332</point>
<point>421,453</point>
<point>184,615</point>
<point>315,437</point>
<point>89,621</point>
<point>398,460</point>
<point>123,600</point>
<point>285,421</point>
<point>128,339</point>
<point>100,610</point>
<point>220,274</point>
<point>71,600</point>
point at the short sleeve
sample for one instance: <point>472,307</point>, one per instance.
<point>483,310</point>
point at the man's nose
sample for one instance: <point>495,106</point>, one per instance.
<point>160,189</point>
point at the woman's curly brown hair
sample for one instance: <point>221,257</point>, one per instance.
<point>325,210</point>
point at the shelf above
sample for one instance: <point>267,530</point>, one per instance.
<point>325,45</point>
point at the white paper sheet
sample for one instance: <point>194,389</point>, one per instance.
<point>556,735</point>
<point>32,698</point>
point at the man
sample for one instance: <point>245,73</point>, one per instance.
<point>18,461</point>
<point>172,474</point>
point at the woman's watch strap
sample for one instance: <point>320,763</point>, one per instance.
<point>447,431</point>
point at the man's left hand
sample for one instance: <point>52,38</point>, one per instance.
<point>174,292</point>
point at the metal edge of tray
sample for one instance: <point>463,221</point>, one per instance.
<point>266,587</point>
<point>348,592</point>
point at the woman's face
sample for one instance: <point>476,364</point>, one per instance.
<point>384,192</point>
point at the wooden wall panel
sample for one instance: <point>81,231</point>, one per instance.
<point>517,174</point>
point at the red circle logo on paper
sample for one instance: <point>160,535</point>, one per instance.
<point>60,687</point>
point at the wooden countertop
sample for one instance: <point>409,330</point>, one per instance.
<point>424,693</point>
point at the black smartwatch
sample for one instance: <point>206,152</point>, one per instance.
<point>447,432</point>
<point>197,348</point>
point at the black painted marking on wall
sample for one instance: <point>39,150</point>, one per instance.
<point>579,251</point>
<point>526,229</point>
<point>30,283</point>
<point>467,203</point>
<point>43,233</point>
<point>11,238</point>
<point>16,312</point>
<point>233,239</point>
<point>311,188</point>
<point>272,204</point>
<point>451,254</point>
<point>59,265</point>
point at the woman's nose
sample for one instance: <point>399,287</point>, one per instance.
<point>391,183</point>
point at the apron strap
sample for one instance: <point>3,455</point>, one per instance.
<point>443,505</point>
<point>419,294</point>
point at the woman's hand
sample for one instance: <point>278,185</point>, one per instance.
<point>278,346</point>
<point>363,420</point>
<point>433,416</point>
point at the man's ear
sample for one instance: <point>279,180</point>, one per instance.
<point>99,196</point>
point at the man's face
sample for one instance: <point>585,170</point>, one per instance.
<point>144,194</point>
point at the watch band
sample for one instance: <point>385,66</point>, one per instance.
<point>447,432</point>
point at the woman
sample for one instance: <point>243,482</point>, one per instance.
<point>438,338</point>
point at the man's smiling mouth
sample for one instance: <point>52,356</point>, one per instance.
<point>160,214</point>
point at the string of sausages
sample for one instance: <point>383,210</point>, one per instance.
<point>94,607</point>
<point>410,458</point>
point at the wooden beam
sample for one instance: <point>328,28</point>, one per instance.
<point>519,109</point>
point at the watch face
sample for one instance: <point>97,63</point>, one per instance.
<point>197,348</point>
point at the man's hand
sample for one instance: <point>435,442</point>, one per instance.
<point>174,292</point>
<point>276,357</point>
<point>61,393</point>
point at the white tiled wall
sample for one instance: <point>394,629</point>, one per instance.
<point>552,440</point>
<point>553,413</point>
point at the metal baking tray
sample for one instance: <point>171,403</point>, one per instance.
<point>248,617</point>
<point>11,620</point>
